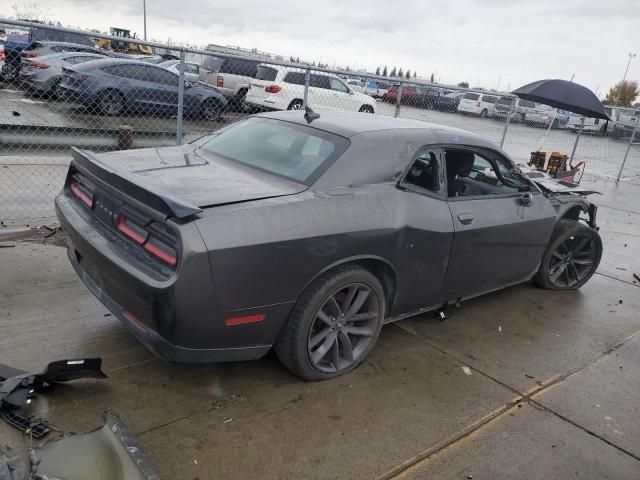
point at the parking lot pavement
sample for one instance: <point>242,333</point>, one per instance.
<point>410,411</point>
<point>529,443</point>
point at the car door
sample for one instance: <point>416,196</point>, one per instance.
<point>319,95</point>
<point>426,241</point>
<point>343,98</point>
<point>502,223</point>
<point>159,89</point>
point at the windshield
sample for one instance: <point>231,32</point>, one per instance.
<point>295,152</point>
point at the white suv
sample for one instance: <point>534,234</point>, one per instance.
<point>478,104</point>
<point>282,88</point>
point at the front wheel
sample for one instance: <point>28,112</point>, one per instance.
<point>366,109</point>
<point>212,109</point>
<point>334,324</point>
<point>571,258</point>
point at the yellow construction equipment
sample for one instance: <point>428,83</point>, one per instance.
<point>123,46</point>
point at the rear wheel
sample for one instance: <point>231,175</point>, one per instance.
<point>111,102</point>
<point>334,325</point>
<point>484,113</point>
<point>295,105</point>
<point>571,258</point>
<point>366,109</point>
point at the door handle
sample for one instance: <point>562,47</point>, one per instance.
<point>465,218</point>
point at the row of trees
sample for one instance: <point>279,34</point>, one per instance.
<point>623,94</point>
<point>399,73</point>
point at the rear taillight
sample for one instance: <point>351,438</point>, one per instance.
<point>30,54</point>
<point>477,104</point>
<point>81,191</point>
<point>220,81</point>
<point>161,250</point>
<point>132,230</point>
<point>2,56</point>
<point>37,65</point>
<point>273,88</point>
<point>147,239</point>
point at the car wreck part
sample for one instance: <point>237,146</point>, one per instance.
<point>110,452</point>
<point>17,389</point>
<point>34,427</point>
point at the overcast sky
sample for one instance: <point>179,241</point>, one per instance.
<point>490,43</point>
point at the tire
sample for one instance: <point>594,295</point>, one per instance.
<point>295,105</point>
<point>555,124</point>
<point>366,109</point>
<point>111,102</point>
<point>211,109</point>
<point>521,118</point>
<point>312,318</point>
<point>484,113</point>
<point>571,258</point>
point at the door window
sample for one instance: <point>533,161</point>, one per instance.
<point>472,174</point>
<point>319,81</point>
<point>338,86</point>
<point>425,172</point>
<point>296,78</point>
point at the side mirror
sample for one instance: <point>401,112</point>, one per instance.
<point>527,199</point>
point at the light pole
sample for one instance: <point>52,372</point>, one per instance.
<point>144,14</point>
<point>631,57</point>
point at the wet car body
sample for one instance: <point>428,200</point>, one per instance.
<point>241,246</point>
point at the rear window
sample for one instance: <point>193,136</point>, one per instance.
<point>504,101</point>
<point>213,64</point>
<point>266,73</point>
<point>288,150</point>
<point>526,103</point>
<point>471,96</point>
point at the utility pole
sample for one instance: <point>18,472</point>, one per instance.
<point>144,14</point>
<point>631,57</point>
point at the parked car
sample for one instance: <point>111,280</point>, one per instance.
<point>43,75</point>
<point>3,41</point>
<point>39,49</point>
<point>298,233</point>
<point>414,95</point>
<point>153,59</point>
<point>382,89</point>
<point>231,76</point>
<point>595,125</point>
<point>519,107</point>
<point>356,85</point>
<point>16,43</point>
<point>448,102</point>
<point>544,115</point>
<point>282,88</point>
<point>627,122</point>
<point>476,103</point>
<point>114,86</point>
<point>191,70</point>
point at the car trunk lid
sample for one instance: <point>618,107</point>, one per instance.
<point>181,181</point>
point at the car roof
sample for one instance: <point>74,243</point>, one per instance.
<point>53,43</point>
<point>107,61</point>
<point>300,69</point>
<point>348,124</point>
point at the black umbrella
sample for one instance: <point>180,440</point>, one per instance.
<point>564,95</point>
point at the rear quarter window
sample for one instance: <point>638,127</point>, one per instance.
<point>489,98</point>
<point>471,96</point>
<point>266,73</point>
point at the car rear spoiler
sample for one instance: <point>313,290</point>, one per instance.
<point>132,185</point>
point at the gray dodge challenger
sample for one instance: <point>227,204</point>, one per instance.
<point>306,232</point>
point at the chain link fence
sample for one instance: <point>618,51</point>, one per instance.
<point>62,88</point>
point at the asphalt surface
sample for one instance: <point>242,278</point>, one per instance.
<point>551,390</point>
